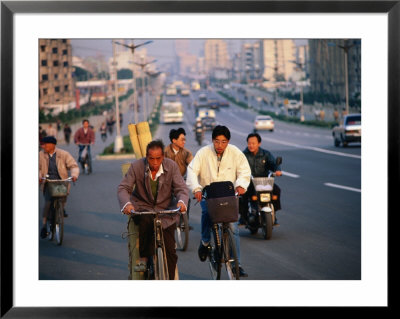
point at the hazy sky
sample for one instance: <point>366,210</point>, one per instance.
<point>161,49</point>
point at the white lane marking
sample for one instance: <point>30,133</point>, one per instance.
<point>316,149</point>
<point>290,174</point>
<point>343,187</point>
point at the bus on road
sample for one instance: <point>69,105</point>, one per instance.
<point>172,112</point>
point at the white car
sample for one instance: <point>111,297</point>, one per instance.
<point>264,122</point>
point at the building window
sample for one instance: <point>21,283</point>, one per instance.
<point>57,88</point>
<point>55,63</point>
<point>65,64</point>
<point>44,91</point>
<point>65,52</point>
<point>44,62</point>
<point>55,76</point>
<point>45,77</point>
<point>43,48</point>
<point>65,87</point>
<point>55,50</point>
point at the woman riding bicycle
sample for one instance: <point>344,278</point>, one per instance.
<point>149,184</point>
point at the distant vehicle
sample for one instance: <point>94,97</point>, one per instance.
<point>204,112</point>
<point>293,105</point>
<point>264,122</point>
<point>223,103</point>
<point>203,98</point>
<point>208,123</point>
<point>348,131</point>
<point>171,91</point>
<point>185,92</point>
<point>213,103</point>
<point>172,112</point>
<point>195,86</point>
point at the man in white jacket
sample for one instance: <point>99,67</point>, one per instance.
<point>219,161</point>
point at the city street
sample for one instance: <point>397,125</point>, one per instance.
<point>319,237</point>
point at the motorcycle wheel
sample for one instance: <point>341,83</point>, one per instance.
<point>266,225</point>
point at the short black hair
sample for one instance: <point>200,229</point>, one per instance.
<point>174,134</point>
<point>85,120</point>
<point>221,130</point>
<point>155,144</point>
<point>254,135</point>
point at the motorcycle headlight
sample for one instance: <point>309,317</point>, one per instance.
<point>265,197</point>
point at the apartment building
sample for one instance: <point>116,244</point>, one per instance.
<point>327,67</point>
<point>216,57</point>
<point>56,85</point>
<point>279,57</point>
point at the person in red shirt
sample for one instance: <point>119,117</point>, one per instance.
<point>84,137</point>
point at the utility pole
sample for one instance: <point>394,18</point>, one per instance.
<point>135,99</point>
<point>118,144</point>
<point>142,66</point>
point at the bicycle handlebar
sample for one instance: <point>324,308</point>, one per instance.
<point>171,211</point>
<point>69,179</point>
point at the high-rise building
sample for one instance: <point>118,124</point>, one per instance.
<point>252,64</point>
<point>215,55</point>
<point>279,56</point>
<point>56,86</point>
<point>327,67</point>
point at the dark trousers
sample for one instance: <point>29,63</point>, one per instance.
<point>146,242</point>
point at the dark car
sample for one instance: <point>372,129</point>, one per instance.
<point>223,103</point>
<point>213,104</point>
<point>349,130</point>
<point>208,123</point>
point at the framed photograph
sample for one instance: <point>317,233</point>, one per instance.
<point>24,23</point>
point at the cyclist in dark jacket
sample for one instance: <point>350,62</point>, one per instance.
<point>261,163</point>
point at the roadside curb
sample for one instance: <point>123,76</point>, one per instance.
<point>115,157</point>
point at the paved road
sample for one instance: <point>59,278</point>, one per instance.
<point>320,233</point>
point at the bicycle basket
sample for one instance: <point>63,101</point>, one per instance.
<point>223,209</point>
<point>58,189</point>
<point>263,184</point>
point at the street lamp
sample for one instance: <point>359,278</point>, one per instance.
<point>346,47</point>
<point>142,66</point>
<point>132,48</point>
<point>118,144</point>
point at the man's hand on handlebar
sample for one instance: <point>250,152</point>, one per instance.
<point>240,190</point>
<point>181,206</point>
<point>278,173</point>
<point>128,208</point>
<point>198,196</point>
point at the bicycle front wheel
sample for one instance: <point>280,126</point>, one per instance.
<point>215,254</point>
<point>162,271</point>
<point>230,254</point>
<point>59,223</point>
<point>182,233</point>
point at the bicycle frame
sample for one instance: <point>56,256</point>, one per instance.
<point>160,257</point>
<point>57,212</point>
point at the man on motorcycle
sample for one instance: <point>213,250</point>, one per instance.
<point>199,130</point>
<point>261,163</point>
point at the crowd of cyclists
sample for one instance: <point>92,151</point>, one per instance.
<point>169,175</point>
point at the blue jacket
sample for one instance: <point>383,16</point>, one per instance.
<point>261,163</point>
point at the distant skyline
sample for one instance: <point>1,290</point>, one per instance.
<point>161,49</point>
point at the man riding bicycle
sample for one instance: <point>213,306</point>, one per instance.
<point>84,136</point>
<point>149,185</point>
<point>220,161</point>
<point>54,163</point>
<point>261,163</point>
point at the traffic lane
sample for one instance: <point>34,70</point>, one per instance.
<point>93,247</point>
<point>288,132</point>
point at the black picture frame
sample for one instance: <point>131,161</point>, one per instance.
<point>9,8</point>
